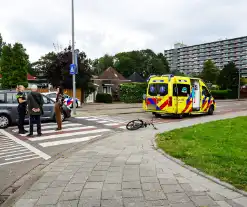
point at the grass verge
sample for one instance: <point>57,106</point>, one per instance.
<point>217,148</point>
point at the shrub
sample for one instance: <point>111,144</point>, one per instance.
<point>221,94</point>
<point>103,98</point>
<point>132,92</point>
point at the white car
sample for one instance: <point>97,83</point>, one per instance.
<point>68,101</point>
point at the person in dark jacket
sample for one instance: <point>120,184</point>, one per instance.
<point>22,108</point>
<point>58,107</point>
<point>35,109</point>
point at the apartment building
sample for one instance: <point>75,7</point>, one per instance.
<point>190,59</point>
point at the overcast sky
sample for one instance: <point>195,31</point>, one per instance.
<point>111,26</point>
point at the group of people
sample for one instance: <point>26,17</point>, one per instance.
<point>32,105</point>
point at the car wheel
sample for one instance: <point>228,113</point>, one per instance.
<point>211,110</point>
<point>4,121</point>
<point>157,115</point>
<point>180,116</point>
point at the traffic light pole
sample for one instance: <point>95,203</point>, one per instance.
<point>73,58</point>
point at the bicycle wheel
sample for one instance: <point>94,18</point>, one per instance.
<point>134,125</point>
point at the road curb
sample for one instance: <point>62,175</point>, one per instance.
<point>192,169</point>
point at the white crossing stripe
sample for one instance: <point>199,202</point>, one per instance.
<point>55,136</point>
<point>122,127</point>
<point>63,130</point>
<point>82,117</point>
<point>92,119</point>
<point>14,148</point>
<point>112,124</point>
<point>101,122</point>
<point>19,153</point>
<point>26,145</point>
<point>4,153</point>
<point>43,124</point>
<point>7,163</point>
<point>52,126</point>
<point>9,148</point>
<point>16,158</point>
<point>67,141</point>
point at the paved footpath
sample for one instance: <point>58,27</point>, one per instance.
<point>125,170</point>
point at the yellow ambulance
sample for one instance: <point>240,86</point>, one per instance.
<point>177,95</point>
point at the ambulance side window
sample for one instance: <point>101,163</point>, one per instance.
<point>205,92</point>
<point>181,89</point>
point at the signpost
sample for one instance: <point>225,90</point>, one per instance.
<point>73,67</point>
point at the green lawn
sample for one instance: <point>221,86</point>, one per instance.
<point>218,148</point>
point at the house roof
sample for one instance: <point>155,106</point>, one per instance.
<point>29,77</point>
<point>135,77</point>
<point>111,74</point>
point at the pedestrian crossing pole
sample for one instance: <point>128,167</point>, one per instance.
<point>73,58</point>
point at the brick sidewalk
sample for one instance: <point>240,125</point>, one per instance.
<point>125,170</point>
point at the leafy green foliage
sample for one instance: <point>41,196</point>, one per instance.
<point>40,67</point>
<point>55,68</point>
<point>177,73</point>
<point>101,64</point>
<point>2,43</point>
<point>210,72</point>
<point>144,62</point>
<point>14,66</point>
<point>218,148</point>
<point>103,98</point>
<point>229,78</point>
<point>132,92</point>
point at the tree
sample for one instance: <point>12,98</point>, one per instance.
<point>41,66</point>
<point>57,72</point>
<point>144,62</point>
<point>177,73</point>
<point>229,77</point>
<point>103,63</point>
<point>2,43</point>
<point>210,72</point>
<point>14,65</point>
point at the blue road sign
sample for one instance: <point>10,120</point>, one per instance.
<point>72,69</point>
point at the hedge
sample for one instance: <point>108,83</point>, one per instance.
<point>132,92</point>
<point>220,94</point>
<point>224,94</point>
<point>103,98</point>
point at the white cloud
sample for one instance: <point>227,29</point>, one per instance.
<point>110,26</point>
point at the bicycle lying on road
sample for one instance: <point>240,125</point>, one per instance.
<point>138,123</point>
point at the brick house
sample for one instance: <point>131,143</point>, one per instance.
<point>109,81</point>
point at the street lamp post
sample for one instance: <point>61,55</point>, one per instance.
<point>73,58</point>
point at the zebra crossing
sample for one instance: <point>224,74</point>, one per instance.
<point>71,133</point>
<point>106,121</point>
<point>117,122</point>
<point>14,150</point>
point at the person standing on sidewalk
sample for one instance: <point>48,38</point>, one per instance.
<point>58,107</point>
<point>35,109</point>
<point>22,108</point>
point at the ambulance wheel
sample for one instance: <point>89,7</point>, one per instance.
<point>157,115</point>
<point>211,110</point>
<point>180,116</point>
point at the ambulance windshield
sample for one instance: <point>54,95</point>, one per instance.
<point>158,89</point>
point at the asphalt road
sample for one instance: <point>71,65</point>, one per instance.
<point>19,154</point>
